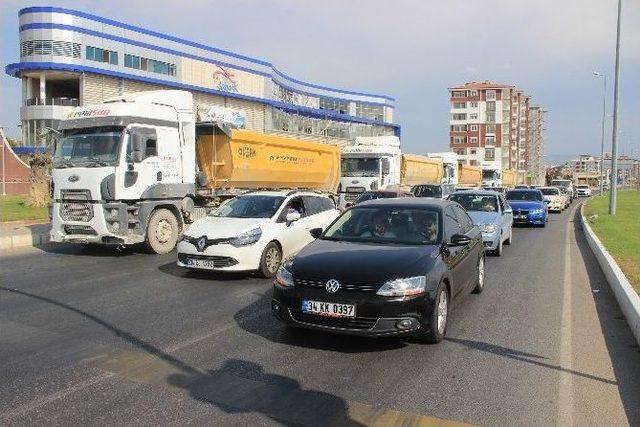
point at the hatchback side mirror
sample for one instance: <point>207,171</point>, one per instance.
<point>293,216</point>
<point>459,240</point>
<point>315,232</point>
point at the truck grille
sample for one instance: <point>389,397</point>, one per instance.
<point>346,286</point>
<point>83,230</point>
<point>76,211</point>
<point>361,323</point>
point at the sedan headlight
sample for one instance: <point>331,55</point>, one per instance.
<point>403,287</point>
<point>537,211</point>
<point>488,228</point>
<point>247,238</point>
<point>284,278</point>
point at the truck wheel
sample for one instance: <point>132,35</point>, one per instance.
<point>270,260</point>
<point>162,231</point>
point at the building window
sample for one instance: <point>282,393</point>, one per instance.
<point>490,141</point>
<point>473,140</point>
<point>473,162</point>
<point>473,151</point>
<point>474,93</point>
<point>473,104</point>
<point>460,151</point>
<point>458,105</point>
<point>491,106</point>
<point>101,55</point>
<point>491,94</point>
<point>369,111</point>
<point>337,105</point>
<point>473,128</point>
<point>458,94</point>
<point>458,128</point>
<point>491,117</point>
<point>489,154</point>
<point>151,65</point>
<point>491,128</point>
<point>473,116</point>
<point>459,116</point>
<point>50,47</point>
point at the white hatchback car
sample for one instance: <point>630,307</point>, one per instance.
<point>255,231</point>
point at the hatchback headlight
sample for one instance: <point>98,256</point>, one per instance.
<point>488,228</point>
<point>284,278</point>
<point>247,238</point>
<point>403,287</point>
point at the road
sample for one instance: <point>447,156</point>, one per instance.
<point>103,337</point>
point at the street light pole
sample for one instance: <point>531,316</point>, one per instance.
<point>604,115</point>
<point>614,135</point>
<point>4,175</point>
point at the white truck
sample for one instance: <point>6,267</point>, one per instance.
<point>449,166</point>
<point>491,173</point>
<point>371,163</point>
<point>139,167</point>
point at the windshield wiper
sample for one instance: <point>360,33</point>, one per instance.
<point>63,163</point>
<point>92,163</point>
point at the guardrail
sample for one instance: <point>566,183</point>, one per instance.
<point>60,101</point>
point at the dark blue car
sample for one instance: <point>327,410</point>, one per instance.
<point>528,207</point>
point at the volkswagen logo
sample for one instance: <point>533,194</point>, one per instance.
<point>332,286</point>
<point>202,242</point>
<point>73,178</point>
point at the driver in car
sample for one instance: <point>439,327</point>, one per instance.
<point>488,205</point>
<point>429,227</point>
<point>380,226</point>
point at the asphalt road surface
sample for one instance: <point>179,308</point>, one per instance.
<point>105,337</point>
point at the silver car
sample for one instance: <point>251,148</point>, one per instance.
<point>491,212</point>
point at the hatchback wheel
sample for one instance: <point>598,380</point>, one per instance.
<point>270,260</point>
<point>439,318</point>
<point>480,279</point>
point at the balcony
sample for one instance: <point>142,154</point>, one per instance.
<point>60,101</point>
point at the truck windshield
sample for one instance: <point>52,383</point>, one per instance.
<point>90,147</point>
<point>360,166</point>
<point>250,207</point>
<point>490,174</point>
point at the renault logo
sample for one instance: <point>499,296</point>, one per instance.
<point>73,178</point>
<point>202,242</point>
<point>332,286</point>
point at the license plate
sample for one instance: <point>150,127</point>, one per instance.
<point>331,309</point>
<point>201,263</point>
<point>519,217</point>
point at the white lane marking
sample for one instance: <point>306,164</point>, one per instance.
<point>7,416</point>
<point>565,389</point>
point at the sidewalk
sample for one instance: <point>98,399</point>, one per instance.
<point>17,234</point>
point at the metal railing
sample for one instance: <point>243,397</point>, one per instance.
<point>60,101</point>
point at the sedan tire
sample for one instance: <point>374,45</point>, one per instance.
<point>437,328</point>
<point>480,279</point>
<point>510,238</point>
<point>270,260</point>
<point>498,249</point>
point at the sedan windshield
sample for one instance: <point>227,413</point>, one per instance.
<point>386,224</point>
<point>88,147</point>
<point>550,191</point>
<point>476,202</point>
<point>250,207</point>
<point>373,195</point>
<point>532,196</point>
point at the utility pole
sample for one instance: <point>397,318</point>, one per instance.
<point>604,115</point>
<point>614,137</point>
<point>4,174</point>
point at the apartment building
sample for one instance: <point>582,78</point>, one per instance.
<point>534,155</point>
<point>490,122</point>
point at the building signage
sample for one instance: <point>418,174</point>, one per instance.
<point>229,116</point>
<point>224,80</point>
<point>88,113</point>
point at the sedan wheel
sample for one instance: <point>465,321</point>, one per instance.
<point>434,333</point>
<point>510,238</point>
<point>442,312</point>
<point>498,250</point>
<point>270,260</point>
<point>480,280</point>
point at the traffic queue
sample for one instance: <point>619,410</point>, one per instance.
<point>362,239</point>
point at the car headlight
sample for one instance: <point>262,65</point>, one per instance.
<point>247,238</point>
<point>403,287</point>
<point>537,211</point>
<point>284,278</point>
<point>488,228</point>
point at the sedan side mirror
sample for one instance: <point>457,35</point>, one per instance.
<point>293,216</point>
<point>315,232</point>
<point>459,240</point>
<point>508,210</point>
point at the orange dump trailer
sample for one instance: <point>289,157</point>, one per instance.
<point>469,176</point>
<point>243,159</point>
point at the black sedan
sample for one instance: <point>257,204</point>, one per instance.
<point>384,267</point>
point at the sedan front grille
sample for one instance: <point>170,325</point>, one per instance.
<point>347,286</point>
<point>520,212</point>
<point>75,211</point>
<point>360,323</point>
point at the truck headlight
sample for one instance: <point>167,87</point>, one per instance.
<point>403,287</point>
<point>284,278</point>
<point>488,228</point>
<point>247,238</point>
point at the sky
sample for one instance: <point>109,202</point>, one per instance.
<point>411,50</point>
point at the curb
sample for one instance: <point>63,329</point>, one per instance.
<point>24,240</point>
<point>627,297</point>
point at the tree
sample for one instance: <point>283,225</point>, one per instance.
<point>39,180</point>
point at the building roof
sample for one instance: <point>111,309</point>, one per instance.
<point>486,84</point>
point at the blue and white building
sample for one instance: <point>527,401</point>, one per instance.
<point>70,58</point>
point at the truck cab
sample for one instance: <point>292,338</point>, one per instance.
<point>449,166</point>
<point>122,165</point>
<point>372,163</point>
<point>491,174</point>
